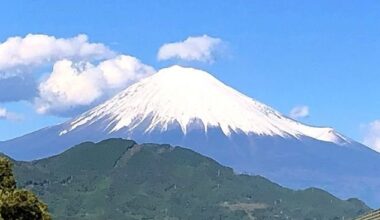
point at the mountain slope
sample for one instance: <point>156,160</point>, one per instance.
<point>118,179</point>
<point>188,107</point>
<point>193,98</point>
<point>182,99</point>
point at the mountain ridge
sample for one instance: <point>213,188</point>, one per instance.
<point>118,179</point>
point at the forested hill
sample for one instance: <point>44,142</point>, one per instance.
<point>119,179</point>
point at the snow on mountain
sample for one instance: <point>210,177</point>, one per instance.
<point>186,95</point>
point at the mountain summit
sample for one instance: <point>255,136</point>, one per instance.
<point>192,99</point>
<point>191,108</point>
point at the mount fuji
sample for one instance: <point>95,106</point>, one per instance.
<point>191,108</point>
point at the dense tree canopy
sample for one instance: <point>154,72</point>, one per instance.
<point>18,204</point>
<point>7,180</point>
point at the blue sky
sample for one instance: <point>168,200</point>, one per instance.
<point>320,54</point>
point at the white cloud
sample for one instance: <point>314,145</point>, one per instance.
<point>5,114</point>
<point>201,48</point>
<point>83,72</point>
<point>19,54</point>
<point>372,135</point>
<point>123,70</point>
<point>73,85</point>
<point>299,112</point>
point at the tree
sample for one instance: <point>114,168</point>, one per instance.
<point>7,180</point>
<point>18,204</point>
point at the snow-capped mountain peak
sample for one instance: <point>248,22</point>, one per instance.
<point>190,97</point>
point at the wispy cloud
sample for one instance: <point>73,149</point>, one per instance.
<point>6,115</point>
<point>372,135</point>
<point>299,112</point>
<point>200,48</point>
<point>3,113</point>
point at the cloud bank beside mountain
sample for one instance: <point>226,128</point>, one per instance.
<point>82,72</point>
<point>72,85</point>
